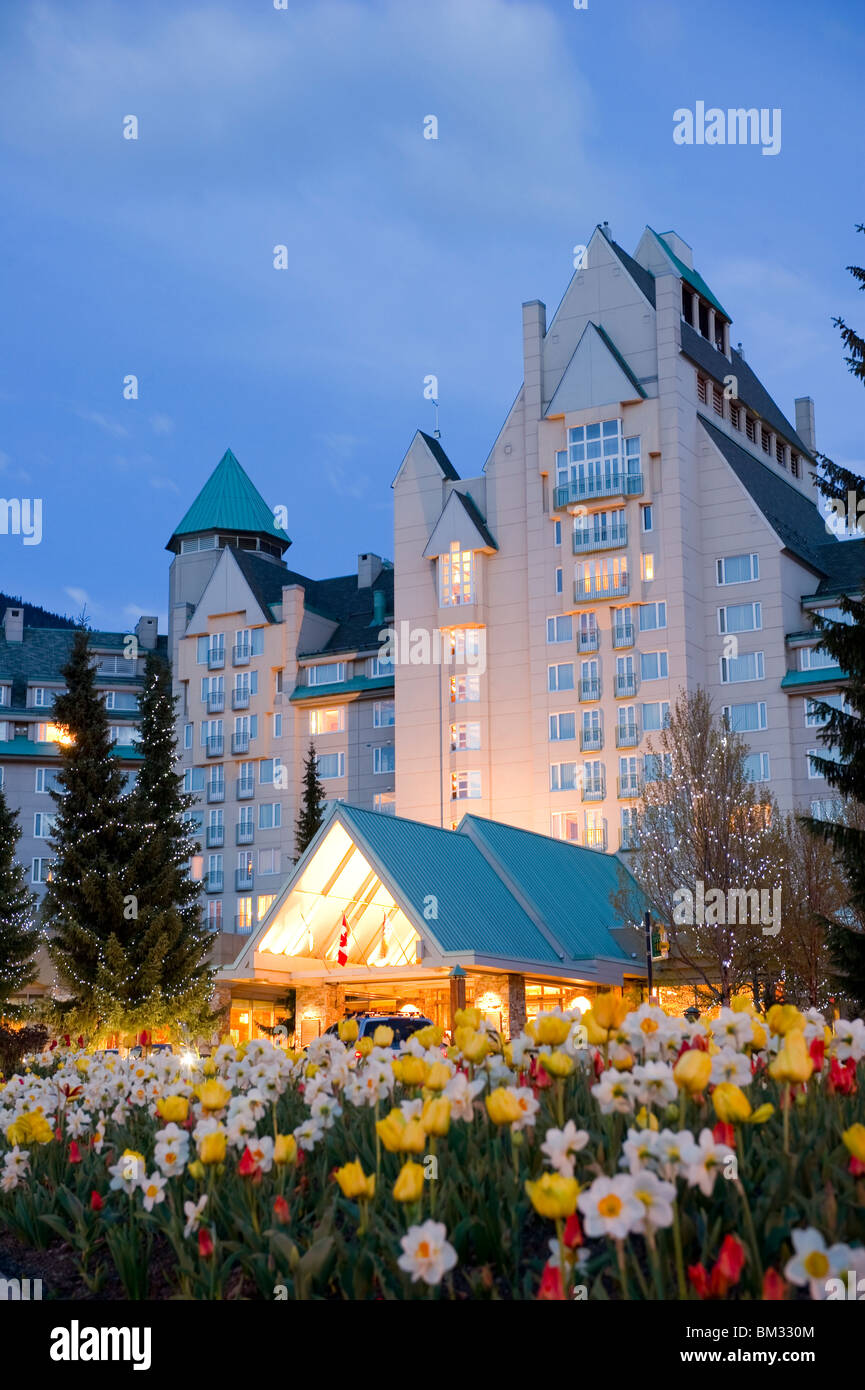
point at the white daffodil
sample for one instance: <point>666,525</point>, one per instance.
<point>657,1198</point>
<point>77,1121</point>
<point>308,1134</point>
<point>152,1189</point>
<point>426,1253</point>
<point>193,1213</point>
<point>674,1152</point>
<point>171,1157</point>
<point>326,1109</point>
<point>610,1208</point>
<point>731,1029</point>
<point>525,1098</point>
<point>728,1065</point>
<point>709,1162</point>
<point>561,1146</point>
<point>639,1150</point>
<point>813,1264</point>
<point>411,1109</point>
<point>614,1092</point>
<point>849,1039</point>
<point>461,1093</point>
<point>261,1152</point>
<point>654,1083</point>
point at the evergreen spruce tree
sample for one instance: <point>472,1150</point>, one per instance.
<point>312,803</point>
<point>844,730</point>
<point>19,935</point>
<point>85,904</point>
<point>169,982</point>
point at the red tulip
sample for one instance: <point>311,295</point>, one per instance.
<point>282,1211</point>
<point>96,1202</point>
<point>774,1288</point>
<point>817,1049</point>
<point>856,1166</point>
<point>573,1232</point>
<point>699,1281</point>
<point>724,1134</point>
<point>205,1243</point>
<point>74,1152</point>
<point>551,1284</point>
<point>247,1167</point>
<point>52,1045</point>
<point>727,1271</point>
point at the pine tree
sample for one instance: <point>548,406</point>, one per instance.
<point>19,935</point>
<point>86,902</point>
<point>164,959</point>
<point>312,804</point>
<point>844,730</point>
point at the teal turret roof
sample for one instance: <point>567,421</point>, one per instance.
<point>229,501</point>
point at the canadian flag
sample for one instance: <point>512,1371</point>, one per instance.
<point>342,956</point>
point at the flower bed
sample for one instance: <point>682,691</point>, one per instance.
<point>617,1155</point>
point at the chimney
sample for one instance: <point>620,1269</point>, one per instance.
<point>368,570</point>
<point>805,422</point>
<point>13,624</point>
<point>145,631</point>
<point>741,351</point>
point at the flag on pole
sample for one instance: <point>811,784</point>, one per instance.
<point>342,956</point>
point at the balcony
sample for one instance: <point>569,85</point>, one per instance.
<point>604,538</point>
<point>240,743</point>
<point>216,658</point>
<point>242,923</point>
<point>213,881</point>
<point>596,837</point>
<point>215,703</point>
<point>214,747</point>
<point>245,788</point>
<point>245,833</point>
<point>215,791</point>
<point>623,634</point>
<point>588,641</point>
<point>244,879</point>
<point>215,836</point>
<point>241,654</point>
<point>627,736</point>
<point>240,699</point>
<point>591,740</point>
<point>626,685</point>
<point>593,789</point>
<point>608,485</point>
<point>629,785</point>
<point>630,840</point>
<point>590,689</point>
<point>603,586</point>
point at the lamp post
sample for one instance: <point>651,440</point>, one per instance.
<point>647,924</point>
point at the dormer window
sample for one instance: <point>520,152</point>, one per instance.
<point>751,428</point>
<point>702,389</point>
<point>456,576</point>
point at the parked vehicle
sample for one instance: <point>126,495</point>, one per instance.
<point>402,1026</point>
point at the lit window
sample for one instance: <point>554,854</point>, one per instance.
<point>243,921</point>
<point>565,825</point>
<point>465,786</point>
<point>596,830</point>
<point>40,871</point>
<point>465,687</point>
<point>456,576</point>
<point>327,721</point>
<point>264,901</point>
<point>465,735</point>
<point>385,803</point>
<point>647,566</point>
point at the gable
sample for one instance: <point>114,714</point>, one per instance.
<point>227,591</point>
<point>596,375</point>
<point>460,522</point>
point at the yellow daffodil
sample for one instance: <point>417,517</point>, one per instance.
<point>553,1196</point>
<point>503,1107</point>
<point>353,1182</point>
<point>854,1141</point>
<point>784,1018</point>
<point>348,1030</point>
<point>312,1069</point>
<point>436,1116</point>
<point>82,1065</point>
<point>793,1062</point>
<point>646,1119</point>
<point>622,1059</point>
<point>409,1184</point>
<point>692,1071</point>
<point>212,1148</point>
<point>284,1149</point>
<point>551,1031</point>
<point>383,1036</point>
<point>610,1010</point>
<point>31,1127</point>
<point>173,1109</point>
<point>213,1095</point>
<point>731,1104</point>
<point>556,1063</point>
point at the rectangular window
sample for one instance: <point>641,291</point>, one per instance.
<point>735,415</point>
<point>751,428</point>
<point>331,765</point>
<point>738,569</point>
<point>465,687</point>
<point>794,465</point>
<point>740,617</point>
<point>382,714</point>
<point>456,576</point>
<point>565,825</point>
<point>748,667</point>
<point>43,825</point>
<point>814,719</point>
<point>647,520</point>
<point>214,914</point>
<point>43,697</point>
<point>465,786</point>
<point>46,779</point>
<point>561,677</point>
<point>269,770</point>
<point>653,666</point>
<point>702,389</point>
<point>718,400</point>
<point>560,580</point>
<point>815,659</point>
<point>657,765</point>
<point>188,735</point>
<point>40,871</point>
<point>120,699</point>
<point>193,779</point>
<point>655,715</point>
<point>595,830</point>
<point>328,673</point>
<point>563,726</point>
<point>465,735</point>
<point>383,758</point>
<point>765,441</point>
<point>647,566</point>
<point>652,616</point>
<point>385,803</point>
<point>268,861</point>
<point>277,726</point>
<point>756,767</point>
<point>243,922</point>
<point>811,754</point>
<point>377,666</point>
<point>744,719</point>
<point>560,629</point>
<point>781,452</point>
<point>563,777</point>
<point>269,815</point>
<point>327,721</point>
<point>263,903</point>
<point>557,533</point>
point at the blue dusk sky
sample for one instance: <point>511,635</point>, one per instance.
<point>303,126</point>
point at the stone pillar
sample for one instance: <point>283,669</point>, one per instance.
<point>222,1005</point>
<point>516,1005</point>
<point>457,997</point>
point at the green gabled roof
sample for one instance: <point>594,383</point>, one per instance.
<point>349,687</point>
<point>229,501</point>
<point>820,676</point>
<point>691,277</point>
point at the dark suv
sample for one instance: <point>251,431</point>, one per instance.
<point>402,1027</point>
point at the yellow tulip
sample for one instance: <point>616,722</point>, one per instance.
<point>646,1119</point>
<point>383,1036</point>
<point>793,1062</point>
<point>209,1067</point>
<point>437,1077</point>
<point>556,1063</point>
<point>468,1018</point>
<point>409,1184</point>
<point>552,1031</point>
<point>212,1148</point>
<point>284,1149</point>
<point>436,1116</point>
<point>347,1030</point>
<point>784,1018</point>
<point>731,1104</point>
<point>622,1059</point>
<point>413,1139</point>
<point>610,1010</point>
<point>596,1036</point>
<point>196,1169</point>
<point>854,1141</point>
<point>353,1182</point>
<point>741,1004</point>
<point>553,1196</point>
<point>410,1070</point>
<point>758,1035</point>
<point>173,1109</point>
<point>365,1047</point>
<point>390,1130</point>
<point>213,1095</point>
<point>762,1114</point>
<point>692,1071</point>
<point>476,1047</point>
<point>430,1036</point>
<point>503,1107</point>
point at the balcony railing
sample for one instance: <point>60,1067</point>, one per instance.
<point>604,538</point>
<point>216,658</point>
<point>213,882</point>
<point>215,836</point>
<point>630,840</point>
<point>588,641</point>
<point>215,703</point>
<point>627,736</point>
<point>593,789</point>
<point>240,699</point>
<point>240,743</point>
<point>606,485</point>
<point>243,879</point>
<point>590,689</point>
<point>245,788</point>
<point>596,838</point>
<point>629,784</point>
<point>242,923</point>
<point>215,791</point>
<point>623,634</point>
<point>245,834</point>
<point>602,586</point>
<point>241,653</point>
<point>626,684</point>
<point>591,739</point>
<point>214,747</point>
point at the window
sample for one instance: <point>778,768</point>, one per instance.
<point>331,765</point>
<point>557,533</point>
<point>652,616</point>
<point>563,777</point>
<point>827,808</point>
<point>647,520</point>
<point>811,754</point>
<point>377,666</point>
<point>465,687</point>
<point>738,569</point>
<point>249,641</point>
<point>5,694</point>
<point>211,732</point>
<point>188,735</point>
<point>120,699</point>
<point>748,667</point>
<point>268,861</point>
<point>125,734</point>
<point>198,543</point>
<point>600,577</point>
<point>327,721</point>
<point>735,417</point>
<point>383,758</point>
<point>657,765</point>
<point>630,827</point>
<point>46,780</point>
<point>269,770</point>
<point>560,629</point>
<point>193,779</point>
<point>563,726</point>
<point>815,659</point>
<point>456,576</point>
<point>277,726</point>
<point>794,464</point>
<point>647,566</point>
<point>765,441</point>
<point>718,401</point>
<point>596,830</point>
<point>814,719</point>
<point>262,905</point>
<point>655,715</point>
<point>465,786</point>
<point>744,719</point>
<point>328,673</point>
<point>40,871</point>
<point>243,922</point>
<point>561,677</point>
<point>465,736</point>
<point>653,666</point>
<point>43,825</point>
<point>560,580</point>
<point>269,815</point>
<point>756,767</point>
<point>43,697</point>
<point>702,389</point>
<point>565,825</point>
<point>385,803</point>
<point>209,648</point>
<point>214,914</point>
<point>45,733</point>
<point>740,617</point>
<point>751,428</point>
<point>382,714</point>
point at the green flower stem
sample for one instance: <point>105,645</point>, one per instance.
<point>680,1263</point>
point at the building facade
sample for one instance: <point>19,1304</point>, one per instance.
<point>646,522</point>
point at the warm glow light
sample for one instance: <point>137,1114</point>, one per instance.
<point>410,1010</point>
<point>188,1059</point>
<point>243,1018</point>
<point>580,1001</point>
<point>56,733</point>
<point>489,1002</point>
